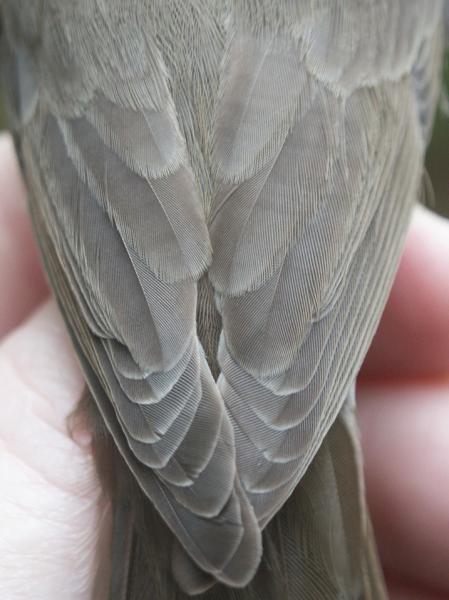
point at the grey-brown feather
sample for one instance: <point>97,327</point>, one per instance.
<point>243,168</point>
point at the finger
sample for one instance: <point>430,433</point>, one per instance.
<point>413,337</point>
<point>405,436</point>
<point>403,591</point>
<point>53,516</point>
<point>22,284</point>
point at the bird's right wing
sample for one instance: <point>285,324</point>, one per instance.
<point>319,155</point>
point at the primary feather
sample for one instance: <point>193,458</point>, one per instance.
<point>221,191</point>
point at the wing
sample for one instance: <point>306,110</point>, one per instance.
<point>318,152</point>
<point>124,238</point>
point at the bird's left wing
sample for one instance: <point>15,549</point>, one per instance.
<point>124,238</point>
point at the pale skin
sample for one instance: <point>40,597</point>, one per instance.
<point>54,520</point>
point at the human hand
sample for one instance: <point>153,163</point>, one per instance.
<point>54,520</point>
<point>403,400</point>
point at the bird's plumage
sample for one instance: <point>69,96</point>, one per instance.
<point>221,191</point>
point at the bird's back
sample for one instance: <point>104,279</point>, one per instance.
<point>221,191</point>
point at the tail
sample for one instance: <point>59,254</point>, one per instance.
<point>319,547</point>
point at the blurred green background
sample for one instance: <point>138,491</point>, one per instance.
<point>438,152</point>
<point>437,162</point>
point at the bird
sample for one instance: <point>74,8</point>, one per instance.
<point>220,190</point>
